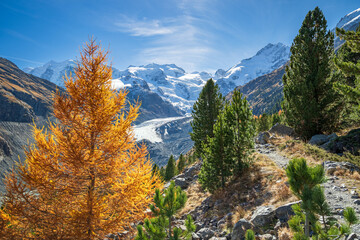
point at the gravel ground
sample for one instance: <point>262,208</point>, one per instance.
<point>338,195</point>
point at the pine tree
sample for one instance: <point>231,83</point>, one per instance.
<point>249,235</point>
<point>155,169</point>
<point>162,173</point>
<point>304,183</point>
<point>166,206</point>
<point>217,164</point>
<point>239,120</point>
<point>85,176</point>
<point>350,65</point>
<point>311,105</point>
<point>170,169</point>
<point>181,163</point>
<point>204,113</point>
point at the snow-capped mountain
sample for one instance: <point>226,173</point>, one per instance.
<point>269,58</point>
<point>169,81</point>
<point>53,71</point>
<point>349,22</point>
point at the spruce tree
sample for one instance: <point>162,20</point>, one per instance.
<point>217,163</point>
<point>181,163</point>
<point>162,173</point>
<point>350,65</point>
<point>311,105</point>
<point>155,169</point>
<point>170,170</point>
<point>204,113</point>
<point>239,120</point>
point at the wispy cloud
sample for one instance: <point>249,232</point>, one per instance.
<point>184,39</point>
<point>144,27</point>
<point>20,36</point>
<point>21,59</point>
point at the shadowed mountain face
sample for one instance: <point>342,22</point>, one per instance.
<point>23,96</point>
<point>263,93</point>
<point>23,99</point>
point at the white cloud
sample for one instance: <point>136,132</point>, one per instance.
<point>184,40</point>
<point>144,27</point>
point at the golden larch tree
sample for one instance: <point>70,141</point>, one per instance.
<point>85,176</point>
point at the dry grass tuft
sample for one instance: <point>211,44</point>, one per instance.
<point>356,175</point>
<point>341,172</point>
<point>196,196</point>
<point>285,234</point>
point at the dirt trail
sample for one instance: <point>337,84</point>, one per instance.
<point>338,195</point>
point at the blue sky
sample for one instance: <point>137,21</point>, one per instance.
<point>201,35</point>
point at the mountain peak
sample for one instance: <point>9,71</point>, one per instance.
<point>349,22</point>
<point>270,48</point>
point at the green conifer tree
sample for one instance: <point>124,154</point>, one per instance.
<point>181,163</point>
<point>217,163</point>
<point>170,170</point>
<point>304,183</point>
<point>155,169</point>
<point>249,235</point>
<point>165,207</point>
<point>204,113</point>
<point>162,173</point>
<point>311,105</point>
<point>239,120</point>
<point>350,65</point>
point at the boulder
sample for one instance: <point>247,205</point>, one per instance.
<point>240,228</point>
<point>321,139</point>
<point>218,238</point>
<point>263,216</point>
<point>205,233</point>
<point>262,138</point>
<point>282,130</point>
<point>352,236</point>
<point>284,212</point>
<point>181,182</point>
<point>190,172</point>
<point>350,143</point>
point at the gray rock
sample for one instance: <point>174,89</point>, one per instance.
<point>190,172</point>
<point>320,139</point>
<point>218,238</point>
<point>331,166</point>
<point>266,237</point>
<point>282,130</point>
<point>194,236</point>
<point>357,201</point>
<point>263,216</point>
<point>284,212</point>
<point>352,236</point>
<point>205,233</point>
<point>262,138</point>
<point>240,228</point>
<point>181,182</point>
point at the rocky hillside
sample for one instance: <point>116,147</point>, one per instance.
<point>23,98</point>
<point>261,199</point>
<point>264,93</point>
